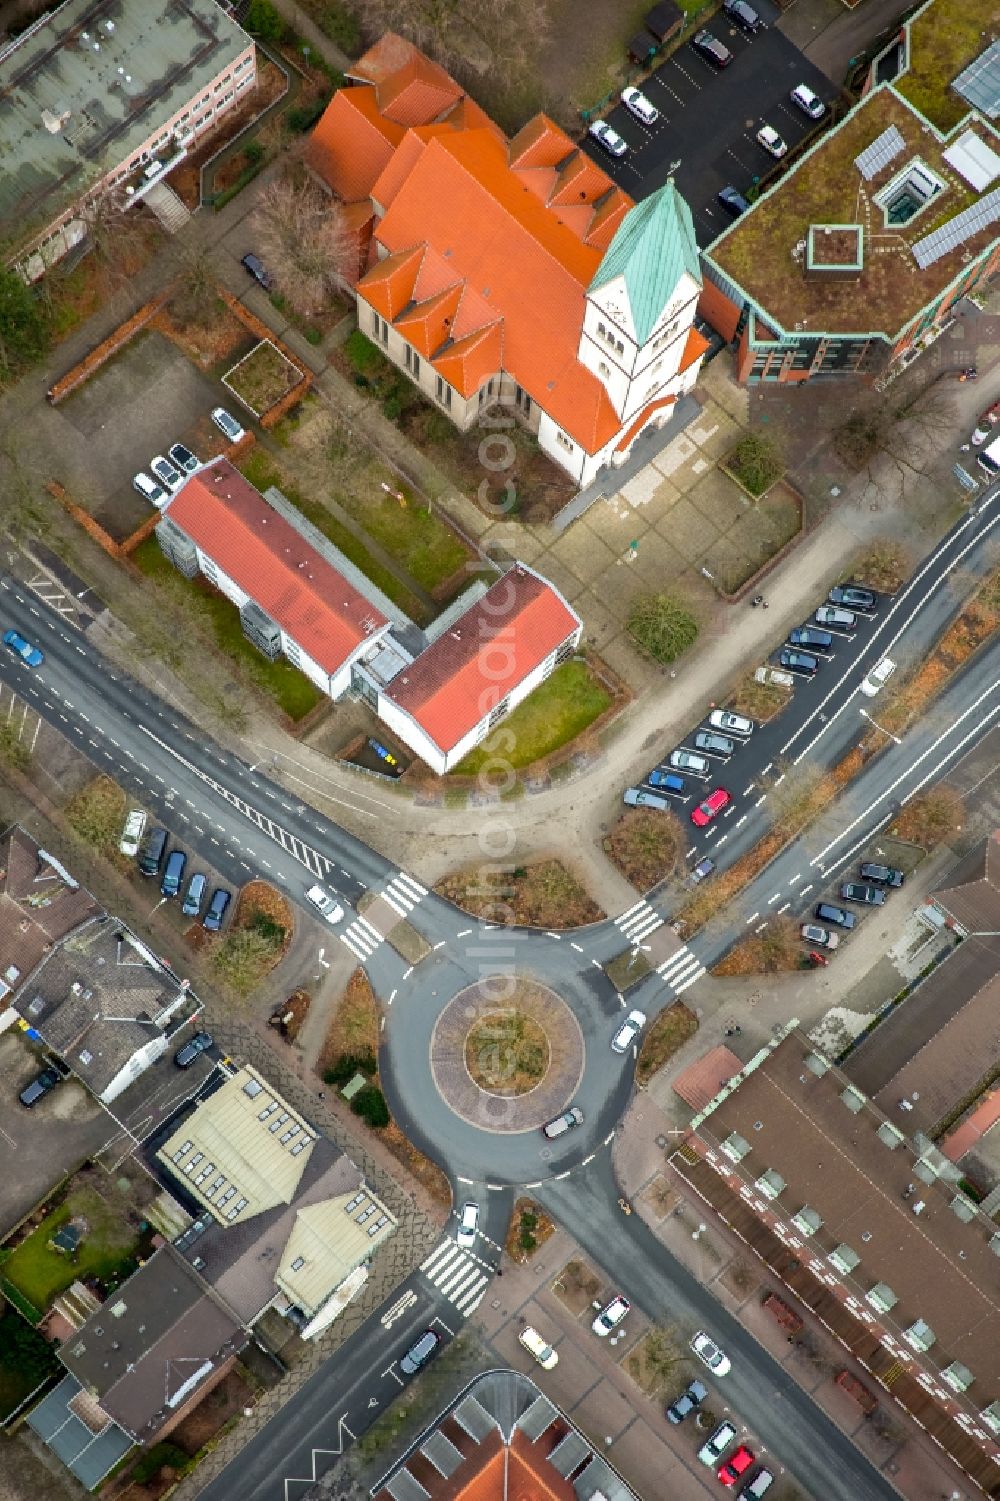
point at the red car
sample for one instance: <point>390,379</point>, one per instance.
<point>713,804</point>
<point>736,1465</point>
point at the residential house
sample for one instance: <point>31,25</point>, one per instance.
<point>871,1234</point>
<point>441,690</point>
<point>102,95</point>
<point>510,271</point>
<point>854,260</point>
<point>40,904</point>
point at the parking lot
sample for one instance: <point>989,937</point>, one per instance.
<point>705,136</point>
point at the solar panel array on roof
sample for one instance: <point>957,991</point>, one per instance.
<point>979,83</point>
<point>569,1454</point>
<point>476,1421</point>
<point>537,1418</point>
<point>880,153</point>
<point>403,1487</point>
<point>959,229</point>
<point>441,1452</point>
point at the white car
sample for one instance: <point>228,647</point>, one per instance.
<point>537,1348</point>
<point>610,139</point>
<point>717,1443</point>
<point>878,677</point>
<point>150,490</point>
<point>135,827</point>
<point>809,103</point>
<point>706,1349</point>
<point>324,903</point>
<point>169,477</point>
<point>611,1316</point>
<point>771,141</point>
<point>226,423</point>
<point>628,1032</point>
<point>468,1225</point>
<point>733,724</point>
<point>774,675</point>
<point>638,105</point>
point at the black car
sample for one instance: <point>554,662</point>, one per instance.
<point>256,268</point>
<point>41,1085</point>
<point>193,1049</point>
<point>809,636</point>
<point>424,1347</point>
<point>743,14</point>
<point>799,661</point>
<point>711,49</point>
<point>217,909</point>
<point>733,202</point>
<point>853,597</point>
<point>835,915</point>
<point>688,1402</point>
<point>868,896</point>
<point>882,875</point>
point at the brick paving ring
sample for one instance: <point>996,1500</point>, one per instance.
<point>507,1054</point>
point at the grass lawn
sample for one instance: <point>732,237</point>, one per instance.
<point>559,709</point>
<point>670,1031</point>
<point>261,470</point>
<point>263,377</point>
<point>290,688</point>
<point>543,895</point>
<point>942,43</point>
<point>106,1250</point>
<point>427,548</point>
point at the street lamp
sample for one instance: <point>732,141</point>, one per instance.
<point>865,715</point>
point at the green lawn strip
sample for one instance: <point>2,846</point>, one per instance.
<point>428,549</point>
<point>290,688</point>
<point>105,1250</point>
<point>558,710</point>
<point>261,471</point>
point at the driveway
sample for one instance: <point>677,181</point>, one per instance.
<point>705,136</point>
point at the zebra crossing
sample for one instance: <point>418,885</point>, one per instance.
<point>681,969</point>
<point>403,893</point>
<point>639,921</point>
<point>457,1275</point>
<point>362,938</point>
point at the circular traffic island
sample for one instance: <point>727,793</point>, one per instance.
<point>507,1054</point>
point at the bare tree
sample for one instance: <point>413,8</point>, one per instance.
<point>891,442</point>
<point>304,239</point>
<point>197,295</point>
<point>488,36</point>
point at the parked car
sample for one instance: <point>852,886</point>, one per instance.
<point>878,677</point>
<point>711,807</point>
<point>173,873</point>
<point>135,827</point>
<point>688,1402</point>
<point>151,853</point>
<point>841,620</point>
<point>32,656</point>
<point>150,490</point>
<point>611,1315</point>
<point>811,638</point>
<point>827,912</point>
<point>195,895</point>
<point>733,201</point>
<point>638,105</point>
<point>771,141</point>
<point>707,1350</point>
<point>423,1349</point>
<point>193,1049</point>
<point>736,724</point>
<point>774,675</point>
<point>799,661</point>
<point>818,936</point>
<point>717,1443</point>
<point>468,1224</point>
<point>324,903</point>
<point>711,49</point>
<point>255,267</point>
<point>702,871</point>
<point>183,459</point>
<point>718,745</point>
<point>638,797</point>
<point>758,1486</point>
<point>686,760</point>
<point>226,423</point>
<point>563,1123</point>
<point>38,1087</point>
<point>217,909</point>
<point>857,891</point>
<point>741,1460</point>
<point>609,139</point>
<point>537,1348</point>
<point>168,476</point>
<point>883,875</point>
<point>628,1031</point>
<point>668,780</point>
<point>853,597</point>
<point>809,103</point>
<point>984,427</point>
<point>743,14</point>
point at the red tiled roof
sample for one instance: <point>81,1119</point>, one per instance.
<point>252,543</point>
<point>427,325</point>
<point>352,143</point>
<point>468,363</point>
<point>417,93</point>
<point>462,676</point>
<point>398,168</point>
<point>390,282</point>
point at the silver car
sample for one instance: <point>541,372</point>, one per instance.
<point>685,760</point>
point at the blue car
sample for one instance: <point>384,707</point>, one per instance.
<point>24,649</point>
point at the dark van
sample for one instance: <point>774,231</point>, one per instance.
<point>151,853</point>
<point>173,873</point>
<point>420,1352</point>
